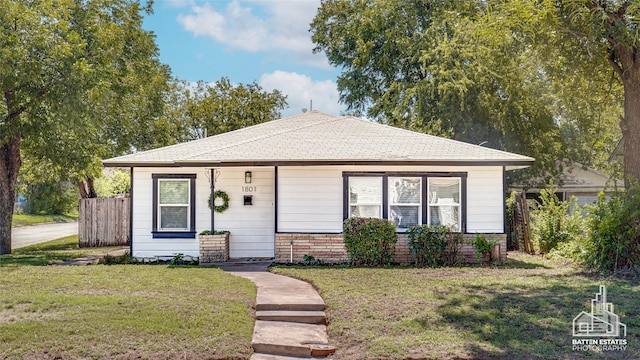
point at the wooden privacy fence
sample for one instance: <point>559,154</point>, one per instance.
<point>104,222</point>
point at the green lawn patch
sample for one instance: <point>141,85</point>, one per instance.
<point>124,312</point>
<point>522,310</point>
<point>62,249</point>
<point>29,219</point>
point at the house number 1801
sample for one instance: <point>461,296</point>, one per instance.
<point>249,188</point>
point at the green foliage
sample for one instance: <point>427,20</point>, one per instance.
<point>482,246</point>
<point>614,241</point>
<point>553,222</point>
<point>310,260</point>
<point>51,198</point>
<point>203,110</point>
<point>219,194</point>
<point>434,245</point>
<point>81,81</point>
<point>113,182</point>
<point>441,69</point>
<point>369,241</point>
<point>217,232</point>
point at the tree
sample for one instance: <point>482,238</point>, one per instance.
<point>606,33</point>
<point>64,64</point>
<point>464,69</point>
<point>201,109</point>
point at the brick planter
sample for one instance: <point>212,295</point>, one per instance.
<point>214,248</point>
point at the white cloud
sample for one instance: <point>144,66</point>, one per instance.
<point>257,26</point>
<point>300,89</point>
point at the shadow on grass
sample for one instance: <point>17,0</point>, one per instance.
<point>62,249</point>
<point>509,322</point>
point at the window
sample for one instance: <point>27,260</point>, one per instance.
<point>365,197</point>
<point>405,201</point>
<point>174,205</point>
<point>444,202</point>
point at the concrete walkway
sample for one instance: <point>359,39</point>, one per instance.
<point>290,318</point>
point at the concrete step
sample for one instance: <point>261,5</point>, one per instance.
<point>307,317</point>
<point>258,356</point>
<point>289,306</point>
<point>290,339</point>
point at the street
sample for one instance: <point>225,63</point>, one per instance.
<point>35,234</point>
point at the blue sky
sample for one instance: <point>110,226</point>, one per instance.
<point>266,41</point>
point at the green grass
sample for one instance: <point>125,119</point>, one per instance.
<point>523,310</point>
<point>62,249</point>
<point>28,219</point>
<point>120,311</point>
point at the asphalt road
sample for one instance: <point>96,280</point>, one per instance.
<point>29,235</point>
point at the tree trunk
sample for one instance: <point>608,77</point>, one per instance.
<point>88,189</point>
<point>10,162</point>
<point>630,126</point>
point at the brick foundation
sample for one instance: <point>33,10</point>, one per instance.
<point>214,248</point>
<point>330,248</point>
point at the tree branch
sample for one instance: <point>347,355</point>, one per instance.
<point>614,63</point>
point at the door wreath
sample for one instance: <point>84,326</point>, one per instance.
<point>225,201</point>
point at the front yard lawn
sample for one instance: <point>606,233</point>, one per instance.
<point>523,310</point>
<point>121,311</point>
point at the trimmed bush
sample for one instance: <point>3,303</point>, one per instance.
<point>435,245</point>
<point>369,241</point>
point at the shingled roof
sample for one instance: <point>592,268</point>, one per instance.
<point>316,138</point>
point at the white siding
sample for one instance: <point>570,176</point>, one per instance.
<point>144,245</point>
<point>251,227</point>
<point>310,197</point>
<point>309,201</point>
<point>485,200</point>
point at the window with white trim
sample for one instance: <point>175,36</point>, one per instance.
<point>444,202</point>
<point>405,201</point>
<point>365,196</point>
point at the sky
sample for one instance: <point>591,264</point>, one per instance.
<point>263,41</point>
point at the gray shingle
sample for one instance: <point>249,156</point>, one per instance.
<point>315,137</point>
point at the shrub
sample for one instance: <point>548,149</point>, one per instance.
<point>613,243</point>
<point>369,241</point>
<point>434,245</point>
<point>482,246</point>
<point>553,223</point>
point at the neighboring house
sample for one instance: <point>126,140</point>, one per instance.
<point>584,183</point>
<point>291,183</point>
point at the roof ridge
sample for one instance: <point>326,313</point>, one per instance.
<point>247,141</point>
<point>209,138</point>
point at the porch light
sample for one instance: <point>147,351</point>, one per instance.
<point>247,177</point>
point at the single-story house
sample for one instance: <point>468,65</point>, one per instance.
<point>291,183</point>
<point>579,181</point>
